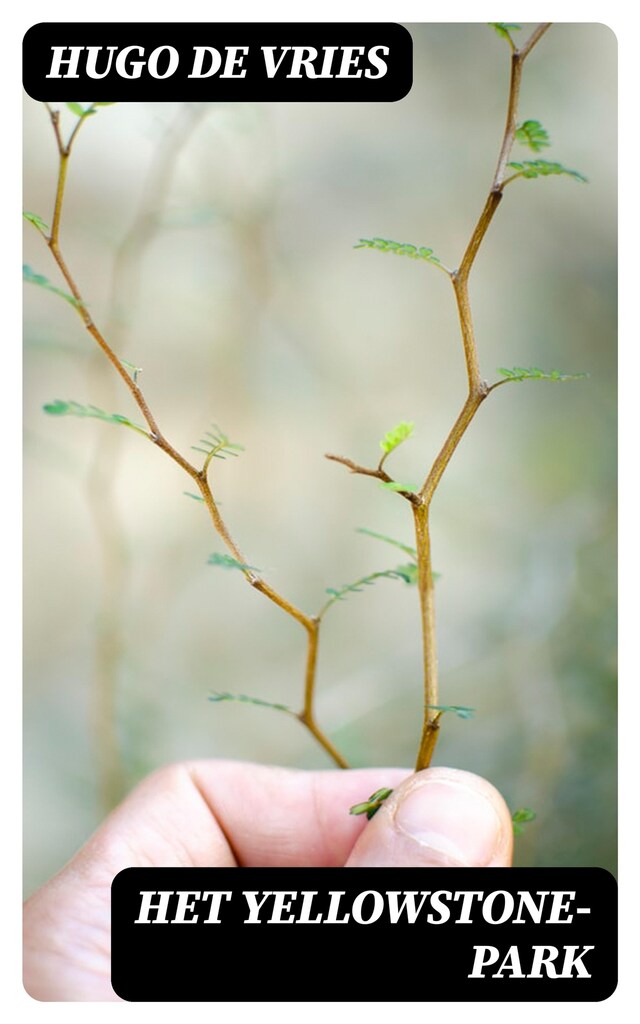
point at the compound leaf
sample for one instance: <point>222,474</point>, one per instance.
<point>458,709</point>
<point>36,221</point>
<point>31,277</point>
<point>406,573</point>
<point>414,252</point>
<point>520,818</point>
<point>541,168</point>
<point>388,540</point>
<point>242,698</point>
<point>227,562</point>
<point>504,29</point>
<point>216,445</point>
<point>372,805</point>
<point>393,438</point>
<point>533,135</point>
<point>393,485</point>
<point>518,373</point>
<point>60,408</point>
<point>80,111</point>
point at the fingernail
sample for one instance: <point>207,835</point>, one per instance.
<point>453,824</point>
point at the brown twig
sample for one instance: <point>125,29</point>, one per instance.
<point>199,476</point>
<point>477,392</point>
<point>379,474</point>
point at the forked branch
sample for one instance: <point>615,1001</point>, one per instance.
<point>155,435</point>
<point>476,394</point>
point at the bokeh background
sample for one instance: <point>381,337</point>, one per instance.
<point>214,244</point>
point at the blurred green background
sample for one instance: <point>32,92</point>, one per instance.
<point>215,246</point>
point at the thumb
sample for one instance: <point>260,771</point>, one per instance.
<point>440,817</point>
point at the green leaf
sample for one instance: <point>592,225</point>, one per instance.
<point>402,572</point>
<point>533,135</point>
<point>393,485</point>
<point>216,445</point>
<point>111,104</point>
<point>133,370</point>
<point>241,698</point>
<point>458,709</point>
<point>518,373</point>
<point>414,252</point>
<point>60,408</point>
<point>408,573</point>
<point>542,168</point>
<point>372,805</point>
<point>503,29</point>
<point>227,562</point>
<point>356,587</point>
<point>31,277</point>
<point>36,221</point>
<point>523,814</point>
<point>396,436</point>
<point>388,540</point>
<point>521,817</point>
<point>80,111</point>
<point>196,497</point>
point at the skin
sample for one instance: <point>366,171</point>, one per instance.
<point>225,814</point>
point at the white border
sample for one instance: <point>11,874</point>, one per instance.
<point>15,23</point>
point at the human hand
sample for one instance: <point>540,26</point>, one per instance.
<point>225,814</point>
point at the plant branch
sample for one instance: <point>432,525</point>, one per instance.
<point>477,392</point>
<point>307,715</point>
<point>199,476</point>
<point>535,37</point>
<point>310,623</point>
<point>518,58</point>
<point>55,121</point>
<point>64,150</point>
<point>379,474</point>
<point>499,383</point>
<point>429,651</point>
<point>444,456</point>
